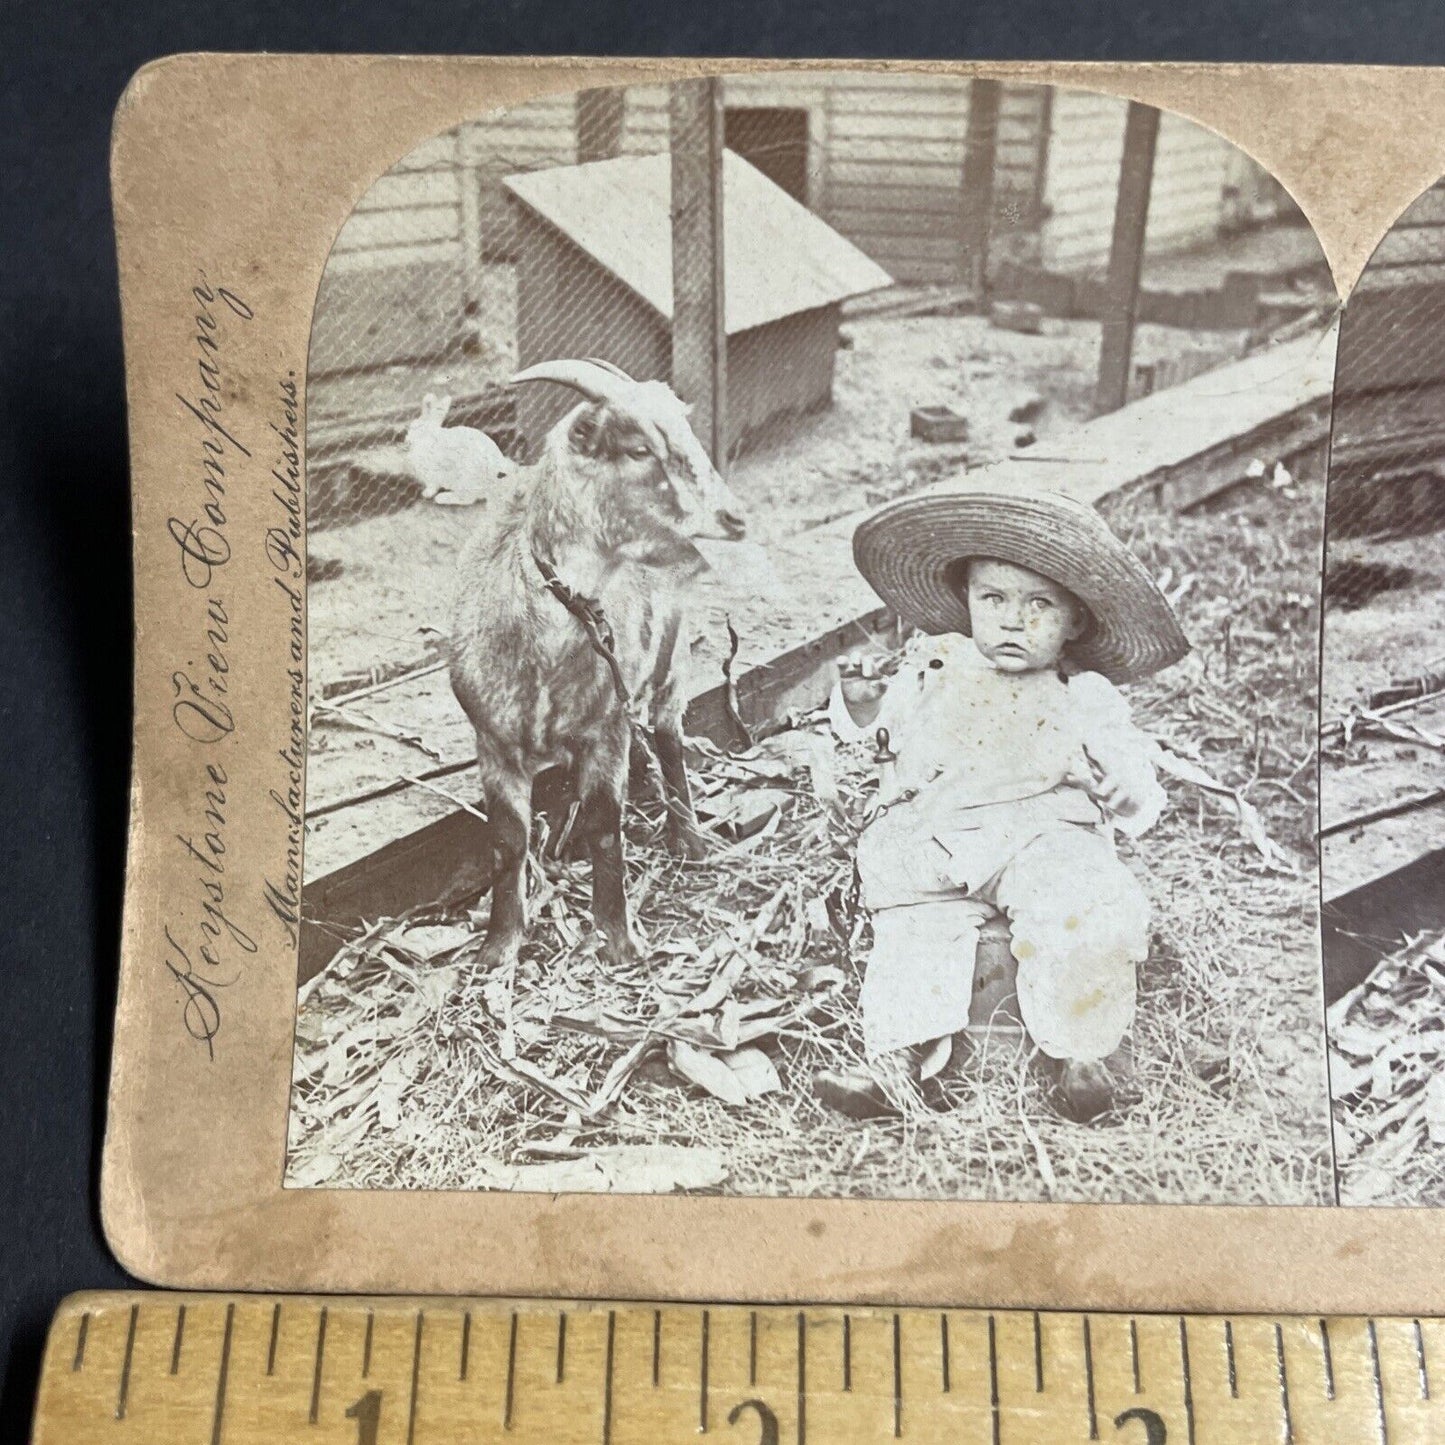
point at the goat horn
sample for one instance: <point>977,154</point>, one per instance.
<point>608,366</point>
<point>595,381</point>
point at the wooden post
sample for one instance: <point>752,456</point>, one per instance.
<point>599,118</point>
<point>473,241</point>
<point>1126,257</point>
<point>699,334</point>
<point>980,148</point>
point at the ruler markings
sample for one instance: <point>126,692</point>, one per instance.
<point>145,1356</point>
<point>80,1335</point>
<point>1379,1381</point>
<point>315,1413</point>
<point>802,1378</point>
<point>1188,1379</point>
<point>705,1349</point>
<point>123,1394</point>
<point>180,1335</point>
<point>704,1346</point>
<point>1283,1372</point>
<point>218,1415</point>
<point>897,1378</point>
<point>415,1378</point>
<point>511,1374</point>
<point>993,1384</point>
<point>607,1378</point>
<point>656,1346</point>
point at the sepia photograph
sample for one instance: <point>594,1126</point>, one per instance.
<point>813,618</point>
<point>1382,738</point>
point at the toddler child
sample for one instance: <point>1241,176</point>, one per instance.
<point>1013,759</point>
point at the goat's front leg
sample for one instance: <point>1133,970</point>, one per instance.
<point>509,813</point>
<point>602,782</point>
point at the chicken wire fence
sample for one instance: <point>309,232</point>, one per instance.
<point>1386,502</point>
<point>419,322</point>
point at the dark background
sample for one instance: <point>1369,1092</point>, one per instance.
<point>65,611</point>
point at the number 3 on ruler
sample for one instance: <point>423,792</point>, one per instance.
<point>1154,1431</point>
<point>367,1414</point>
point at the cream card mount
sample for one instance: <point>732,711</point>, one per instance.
<point>387,1022</point>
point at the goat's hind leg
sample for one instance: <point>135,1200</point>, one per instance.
<point>684,838</point>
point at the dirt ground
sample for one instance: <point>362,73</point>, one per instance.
<point>413,1071</point>
<point>397,570</point>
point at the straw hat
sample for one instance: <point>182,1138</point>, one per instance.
<point>910,553</point>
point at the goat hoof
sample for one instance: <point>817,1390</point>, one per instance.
<point>497,956</point>
<point>687,843</point>
<point>621,952</point>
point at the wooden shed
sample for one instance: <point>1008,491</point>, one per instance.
<point>594,278</point>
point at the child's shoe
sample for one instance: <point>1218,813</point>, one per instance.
<point>854,1092</point>
<point>875,1091</point>
<point>1085,1091</point>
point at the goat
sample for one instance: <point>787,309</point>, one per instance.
<point>607,517</point>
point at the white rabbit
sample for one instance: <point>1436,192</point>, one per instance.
<point>456,465</point>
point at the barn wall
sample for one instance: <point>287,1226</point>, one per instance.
<point>782,369</point>
<point>1413,253</point>
<point>885,157</point>
<point>1192,168</point>
<point>567,305</point>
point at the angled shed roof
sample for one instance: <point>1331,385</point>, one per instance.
<point>778,257</point>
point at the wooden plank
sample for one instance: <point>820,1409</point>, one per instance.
<point>401,190</point>
<point>1427,209</point>
<point>699,330</point>
<point>850,201</point>
<point>1411,245</point>
<point>881,222</point>
<point>1126,256</point>
<point>417,225</point>
<point>436,153</point>
<point>903,147</point>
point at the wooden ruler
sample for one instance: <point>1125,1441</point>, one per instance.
<point>245,1369</point>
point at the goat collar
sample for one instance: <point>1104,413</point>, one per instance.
<point>588,611</point>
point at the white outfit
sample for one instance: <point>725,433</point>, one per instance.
<point>987,810</point>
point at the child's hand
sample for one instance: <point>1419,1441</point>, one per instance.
<point>861,684</point>
<point>862,688</point>
<point>1124,791</point>
<point>1117,792</point>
